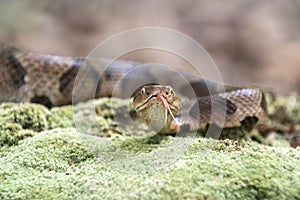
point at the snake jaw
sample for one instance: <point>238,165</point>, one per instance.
<point>145,103</point>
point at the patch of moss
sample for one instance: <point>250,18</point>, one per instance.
<point>69,163</point>
<point>41,152</point>
<point>283,120</point>
<point>19,121</point>
<point>284,109</point>
<point>247,171</point>
<point>11,133</point>
<point>61,117</point>
<point>97,117</point>
<point>108,117</point>
<point>234,133</point>
<point>38,167</point>
<point>142,144</point>
<point>44,167</point>
<point>28,116</point>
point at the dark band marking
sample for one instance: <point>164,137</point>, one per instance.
<point>18,72</point>
<point>42,100</point>
<point>263,102</point>
<point>223,103</point>
<point>107,74</point>
<point>231,108</point>
<point>200,88</point>
<point>194,111</point>
<point>105,77</point>
<point>87,78</point>
<point>66,81</point>
<point>205,103</point>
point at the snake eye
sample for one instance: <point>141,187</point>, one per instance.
<point>170,91</point>
<point>144,92</point>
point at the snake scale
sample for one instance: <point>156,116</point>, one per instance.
<point>49,80</point>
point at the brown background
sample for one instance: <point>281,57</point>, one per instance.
<point>252,42</point>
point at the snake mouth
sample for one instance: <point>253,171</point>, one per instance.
<point>163,100</point>
<point>144,104</point>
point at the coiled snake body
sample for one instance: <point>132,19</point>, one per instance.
<point>49,80</point>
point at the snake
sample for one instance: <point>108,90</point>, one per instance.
<point>50,80</point>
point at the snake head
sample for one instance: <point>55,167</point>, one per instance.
<point>150,94</point>
<point>152,100</point>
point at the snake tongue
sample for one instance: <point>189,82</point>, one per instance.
<point>166,105</point>
<point>163,100</point>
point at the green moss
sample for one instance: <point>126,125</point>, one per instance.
<point>42,151</point>
<point>284,109</point>
<point>61,117</point>
<point>44,157</point>
<point>38,167</point>
<point>97,117</point>
<point>283,120</point>
<point>235,170</point>
<point>12,133</point>
<point>18,122</point>
<point>142,144</point>
<point>29,116</point>
<point>63,164</point>
<point>108,117</point>
<point>234,133</point>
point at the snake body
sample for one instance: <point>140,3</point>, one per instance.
<point>49,80</point>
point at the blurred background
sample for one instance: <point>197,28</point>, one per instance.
<point>252,42</point>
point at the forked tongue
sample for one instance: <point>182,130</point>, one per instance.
<point>166,106</point>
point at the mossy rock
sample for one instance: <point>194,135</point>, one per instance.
<point>28,116</point>
<point>61,163</point>
<point>44,155</point>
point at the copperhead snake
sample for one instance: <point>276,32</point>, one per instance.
<point>49,80</point>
